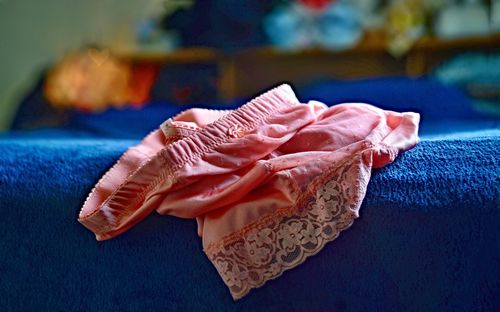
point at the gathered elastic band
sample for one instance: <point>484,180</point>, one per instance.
<point>117,198</point>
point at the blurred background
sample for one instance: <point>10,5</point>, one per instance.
<point>61,58</point>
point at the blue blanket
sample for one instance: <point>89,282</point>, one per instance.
<point>427,238</point>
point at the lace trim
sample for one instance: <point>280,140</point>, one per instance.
<point>283,240</point>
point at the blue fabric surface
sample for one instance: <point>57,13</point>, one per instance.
<point>427,238</point>
<point>431,98</point>
<point>435,102</point>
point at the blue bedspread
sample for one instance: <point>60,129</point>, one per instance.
<point>427,238</point>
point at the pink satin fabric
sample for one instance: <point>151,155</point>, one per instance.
<point>269,183</point>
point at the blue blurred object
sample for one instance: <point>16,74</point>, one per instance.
<point>470,67</point>
<point>339,27</point>
<point>427,238</point>
<point>187,83</point>
<point>434,100</point>
<point>295,26</point>
<point>146,29</point>
<point>151,38</point>
<point>290,27</point>
<point>224,24</point>
<point>477,74</point>
<point>35,112</point>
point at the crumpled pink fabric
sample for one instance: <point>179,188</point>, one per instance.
<point>269,183</point>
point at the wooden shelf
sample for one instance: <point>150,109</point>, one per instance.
<point>185,55</point>
<point>247,72</point>
<point>375,43</point>
<point>433,43</point>
<point>372,43</point>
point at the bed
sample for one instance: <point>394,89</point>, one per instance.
<point>427,238</point>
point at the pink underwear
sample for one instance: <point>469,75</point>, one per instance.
<point>269,183</point>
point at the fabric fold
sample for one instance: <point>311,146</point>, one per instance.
<point>269,183</point>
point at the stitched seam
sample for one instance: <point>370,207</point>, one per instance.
<point>237,257</point>
<point>303,198</point>
<point>169,170</point>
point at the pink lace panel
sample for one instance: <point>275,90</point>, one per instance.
<point>282,240</point>
<point>269,183</point>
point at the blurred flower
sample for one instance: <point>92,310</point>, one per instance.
<point>405,24</point>
<point>339,27</point>
<point>94,79</point>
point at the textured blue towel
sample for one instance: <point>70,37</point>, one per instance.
<point>427,238</point>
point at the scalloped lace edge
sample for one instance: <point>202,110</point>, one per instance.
<point>281,241</point>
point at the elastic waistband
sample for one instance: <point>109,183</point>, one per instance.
<point>232,125</point>
<point>107,212</point>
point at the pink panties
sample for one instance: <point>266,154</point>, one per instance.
<point>269,183</point>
